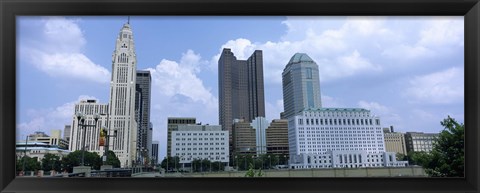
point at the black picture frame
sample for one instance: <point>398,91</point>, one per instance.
<point>9,9</point>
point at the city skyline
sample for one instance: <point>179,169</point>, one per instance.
<point>421,80</point>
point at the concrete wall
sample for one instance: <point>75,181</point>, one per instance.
<point>340,172</point>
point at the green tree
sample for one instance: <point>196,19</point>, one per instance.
<point>448,154</point>
<point>75,158</point>
<point>51,162</point>
<point>173,163</point>
<point>112,159</point>
<point>251,172</point>
<point>31,164</point>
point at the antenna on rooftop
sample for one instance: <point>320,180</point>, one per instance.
<point>128,22</point>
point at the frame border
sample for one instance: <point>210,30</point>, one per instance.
<point>9,9</point>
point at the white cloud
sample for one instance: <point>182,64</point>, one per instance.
<point>444,87</point>
<point>172,78</point>
<point>388,116</point>
<point>330,102</point>
<point>49,118</point>
<point>338,48</point>
<point>443,31</point>
<point>177,91</point>
<point>436,37</point>
<point>374,107</point>
<point>57,51</point>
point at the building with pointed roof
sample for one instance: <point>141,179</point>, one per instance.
<point>301,85</point>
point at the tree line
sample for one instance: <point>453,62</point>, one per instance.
<point>447,158</point>
<point>66,163</point>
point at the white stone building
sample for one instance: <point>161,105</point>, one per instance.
<point>192,142</point>
<point>338,137</point>
<point>92,136</point>
<point>122,98</point>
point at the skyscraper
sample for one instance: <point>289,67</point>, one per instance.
<point>122,97</point>
<point>301,85</point>
<point>241,90</point>
<point>142,109</point>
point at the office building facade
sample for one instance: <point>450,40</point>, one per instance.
<point>241,88</point>
<point>394,141</point>
<point>172,125</point>
<point>198,142</point>
<point>419,141</point>
<point>338,137</point>
<point>301,85</point>
<point>91,142</point>
<point>277,138</point>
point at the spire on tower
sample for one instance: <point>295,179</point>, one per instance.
<point>128,22</point>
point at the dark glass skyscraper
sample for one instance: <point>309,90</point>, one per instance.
<point>241,90</point>
<point>142,112</point>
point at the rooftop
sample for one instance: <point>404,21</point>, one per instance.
<point>300,57</point>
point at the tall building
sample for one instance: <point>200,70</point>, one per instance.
<point>91,142</point>
<point>122,98</point>
<point>154,155</point>
<point>173,124</point>
<point>301,85</point>
<point>142,110</point>
<point>394,141</point>
<point>241,89</point>
<point>419,141</point>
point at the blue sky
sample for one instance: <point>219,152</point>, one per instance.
<point>407,70</point>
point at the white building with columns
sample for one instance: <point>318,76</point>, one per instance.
<point>338,137</point>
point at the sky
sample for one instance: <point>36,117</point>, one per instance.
<point>409,71</point>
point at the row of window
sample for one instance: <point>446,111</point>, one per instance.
<point>338,121</point>
<point>200,148</point>
<point>349,114</point>
<point>200,153</point>
<point>200,139</point>
<point>189,144</point>
<point>200,134</point>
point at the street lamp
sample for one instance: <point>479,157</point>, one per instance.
<point>107,142</point>
<point>81,120</point>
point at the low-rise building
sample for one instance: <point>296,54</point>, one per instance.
<point>338,137</point>
<point>54,139</point>
<point>419,141</point>
<point>38,149</point>
<point>394,141</point>
<point>193,142</point>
